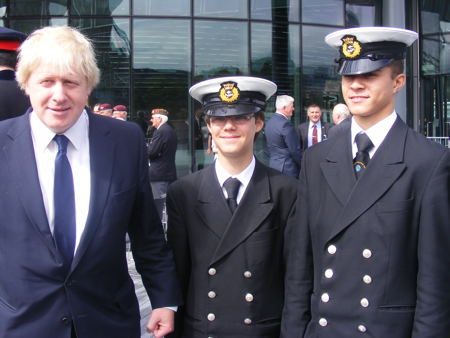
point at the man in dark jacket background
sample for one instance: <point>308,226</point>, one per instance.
<point>161,153</point>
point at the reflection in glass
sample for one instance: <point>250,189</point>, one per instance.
<point>161,64</point>
<point>221,8</point>
<point>360,15</point>
<point>320,80</point>
<point>221,48</point>
<point>330,12</point>
<point>35,7</point>
<point>100,7</point>
<point>111,38</point>
<point>162,7</point>
<point>27,26</point>
<point>262,9</point>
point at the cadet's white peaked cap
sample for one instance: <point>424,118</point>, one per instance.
<point>367,49</point>
<point>233,95</point>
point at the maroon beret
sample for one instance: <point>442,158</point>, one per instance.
<point>120,107</point>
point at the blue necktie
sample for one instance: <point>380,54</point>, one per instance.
<point>362,158</point>
<point>64,203</point>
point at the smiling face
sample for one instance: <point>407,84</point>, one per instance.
<point>314,113</point>
<point>57,99</point>
<point>371,96</point>
<point>234,137</point>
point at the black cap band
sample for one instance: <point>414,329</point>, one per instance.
<point>248,102</point>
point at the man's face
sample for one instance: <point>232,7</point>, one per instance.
<point>106,112</point>
<point>156,121</point>
<point>289,110</point>
<point>371,96</point>
<point>57,99</point>
<point>314,114</point>
<point>234,135</point>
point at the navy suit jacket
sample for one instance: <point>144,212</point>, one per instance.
<point>373,253</point>
<point>283,146</point>
<point>161,152</point>
<point>303,133</point>
<point>97,295</point>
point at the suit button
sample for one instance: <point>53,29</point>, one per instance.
<point>247,274</point>
<point>329,273</point>
<point>249,297</point>
<point>362,328</point>
<point>367,279</point>
<point>212,272</point>
<point>323,322</point>
<point>332,249</point>
<point>325,297</point>
<point>211,294</point>
<point>247,321</point>
<point>66,320</point>
<point>367,253</point>
<point>364,302</point>
<point>211,316</point>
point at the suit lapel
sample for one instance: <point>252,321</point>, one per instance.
<point>338,169</point>
<point>21,160</point>
<point>102,152</point>
<point>254,207</point>
<point>211,205</point>
<point>383,170</point>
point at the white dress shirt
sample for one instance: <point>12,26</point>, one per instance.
<point>45,150</point>
<point>244,177</point>
<point>377,133</point>
<point>310,131</point>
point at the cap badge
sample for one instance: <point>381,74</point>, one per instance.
<point>229,92</point>
<point>351,48</point>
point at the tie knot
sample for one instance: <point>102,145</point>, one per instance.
<point>314,126</point>
<point>363,142</point>
<point>61,141</point>
<point>231,186</point>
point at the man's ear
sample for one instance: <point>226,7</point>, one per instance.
<point>399,82</point>
<point>259,125</point>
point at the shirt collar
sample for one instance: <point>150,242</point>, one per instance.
<point>244,176</point>
<point>42,135</point>
<point>311,124</point>
<point>377,133</point>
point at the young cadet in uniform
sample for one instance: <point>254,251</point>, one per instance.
<point>227,224</point>
<point>374,209</point>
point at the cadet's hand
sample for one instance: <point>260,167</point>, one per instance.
<point>161,322</point>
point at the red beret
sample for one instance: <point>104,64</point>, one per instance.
<point>104,106</point>
<point>120,108</point>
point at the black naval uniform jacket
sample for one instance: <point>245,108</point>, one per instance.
<point>13,101</point>
<point>231,268</point>
<point>378,247</point>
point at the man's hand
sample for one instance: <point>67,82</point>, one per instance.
<point>161,322</point>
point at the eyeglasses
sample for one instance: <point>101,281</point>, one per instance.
<point>235,119</point>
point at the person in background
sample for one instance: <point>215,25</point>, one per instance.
<point>374,209</point>
<point>341,118</point>
<point>120,112</point>
<point>96,108</point>
<point>73,185</point>
<point>161,153</point>
<point>13,101</point>
<point>105,110</point>
<point>313,131</point>
<point>228,223</point>
<point>282,139</point>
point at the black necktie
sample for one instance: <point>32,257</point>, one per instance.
<point>362,158</point>
<point>232,185</point>
<point>64,203</point>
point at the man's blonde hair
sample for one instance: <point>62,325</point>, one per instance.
<point>65,48</point>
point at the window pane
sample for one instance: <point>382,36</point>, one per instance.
<point>360,15</point>
<point>35,7</point>
<point>221,48</point>
<point>262,9</point>
<point>330,12</point>
<point>161,64</point>
<point>221,8</point>
<point>100,7</point>
<point>27,26</point>
<point>161,7</point>
<point>112,46</point>
<point>321,83</point>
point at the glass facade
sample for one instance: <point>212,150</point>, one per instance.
<point>151,51</point>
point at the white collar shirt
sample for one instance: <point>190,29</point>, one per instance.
<point>377,133</point>
<point>244,177</point>
<point>45,150</point>
<point>310,131</point>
